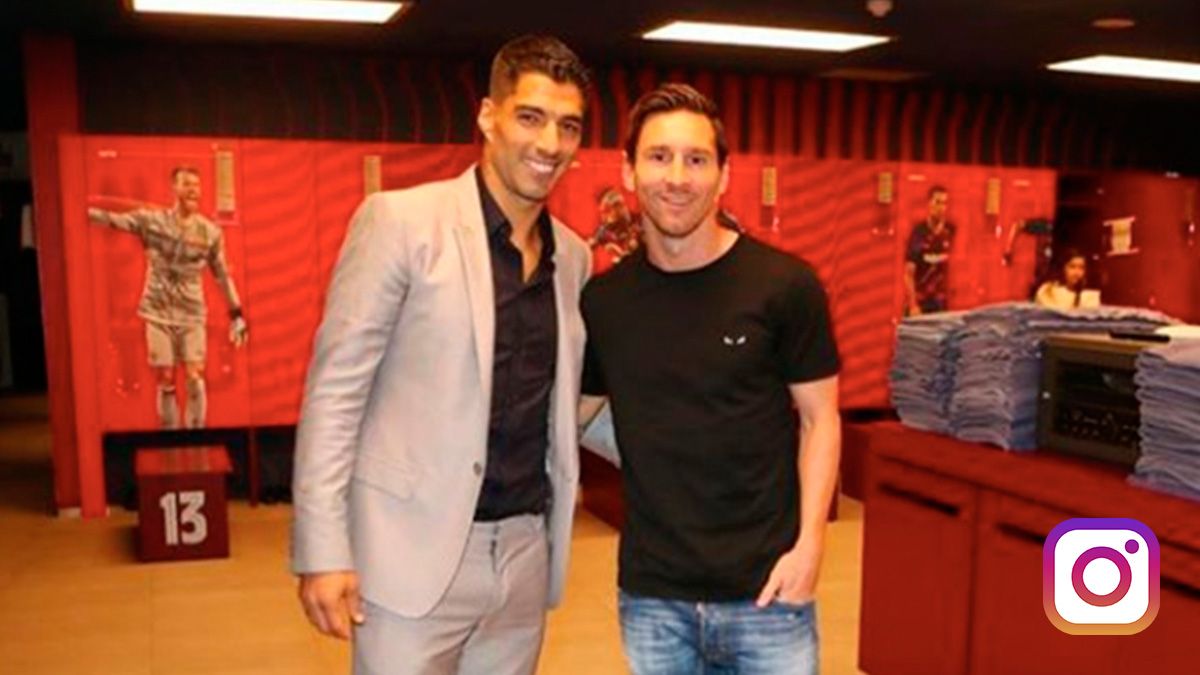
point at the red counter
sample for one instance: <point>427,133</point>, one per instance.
<point>952,559</point>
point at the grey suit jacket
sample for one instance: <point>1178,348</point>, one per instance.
<point>392,441</point>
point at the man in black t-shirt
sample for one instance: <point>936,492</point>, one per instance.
<point>706,343</point>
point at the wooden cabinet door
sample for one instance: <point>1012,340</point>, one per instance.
<point>917,558</point>
<point>1010,632</point>
<point>1168,645</point>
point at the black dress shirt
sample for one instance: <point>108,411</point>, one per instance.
<point>526,351</point>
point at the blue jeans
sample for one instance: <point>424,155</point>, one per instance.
<point>676,637</point>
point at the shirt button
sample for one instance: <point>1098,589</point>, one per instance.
<point>478,468</point>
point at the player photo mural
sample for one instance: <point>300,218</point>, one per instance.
<point>618,234</point>
<point>179,243</point>
<point>927,258</point>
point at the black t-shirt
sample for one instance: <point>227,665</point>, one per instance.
<point>697,366</point>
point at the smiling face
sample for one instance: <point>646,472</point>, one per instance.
<point>676,173</point>
<point>531,135</point>
<point>187,191</point>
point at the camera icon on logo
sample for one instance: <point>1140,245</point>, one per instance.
<point>1100,576</point>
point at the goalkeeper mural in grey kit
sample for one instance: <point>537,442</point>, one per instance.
<point>179,243</point>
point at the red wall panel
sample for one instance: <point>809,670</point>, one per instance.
<point>84,456</point>
<point>743,196</point>
<point>339,191</point>
<point>295,198</point>
<point>52,101</point>
<point>855,234</point>
<point>341,185</point>
<point>277,210</point>
<point>1165,271</point>
<point>574,200</point>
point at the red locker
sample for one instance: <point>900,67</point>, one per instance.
<point>1026,194</point>
<point>339,186</point>
<point>278,213</point>
<point>227,367</point>
<point>831,214</point>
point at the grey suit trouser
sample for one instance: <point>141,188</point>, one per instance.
<point>491,619</point>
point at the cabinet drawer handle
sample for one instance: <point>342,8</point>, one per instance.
<point>1024,534</point>
<point>1178,586</point>
<point>921,500</point>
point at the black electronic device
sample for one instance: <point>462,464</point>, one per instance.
<point>1088,402</point>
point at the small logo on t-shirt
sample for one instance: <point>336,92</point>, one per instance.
<point>734,341</point>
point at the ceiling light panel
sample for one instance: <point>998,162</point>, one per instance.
<point>763,36</point>
<point>349,11</point>
<point>1128,66</point>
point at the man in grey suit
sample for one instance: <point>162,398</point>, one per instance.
<point>436,459</point>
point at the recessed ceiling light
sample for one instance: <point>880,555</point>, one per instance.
<point>1128,66</point>
<point>351,11</point>
<point>1114,23</point>
<point>763,36</point>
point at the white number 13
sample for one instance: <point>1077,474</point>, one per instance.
<point>190,526</point>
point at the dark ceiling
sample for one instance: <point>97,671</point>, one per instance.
<point>996,43</point>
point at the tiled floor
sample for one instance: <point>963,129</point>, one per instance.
<point>73,600</point>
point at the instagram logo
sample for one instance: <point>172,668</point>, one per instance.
<point>1100,576</point>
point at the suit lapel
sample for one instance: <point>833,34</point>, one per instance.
<point>562,396</point>
<point>471,236</point>
<point>562,268</point>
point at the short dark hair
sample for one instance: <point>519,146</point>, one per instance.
<point>536,54</point>
<point>936,190</point>
<point>669,98</point>
<point>184,169</point>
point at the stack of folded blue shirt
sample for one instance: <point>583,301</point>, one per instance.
<point>995,393</point>
<point>923,369</point>
<point>1168,379</point>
